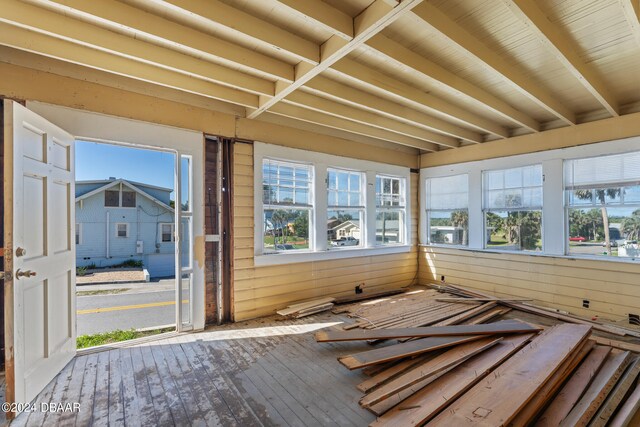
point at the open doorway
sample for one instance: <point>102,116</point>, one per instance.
<point>130,215</point>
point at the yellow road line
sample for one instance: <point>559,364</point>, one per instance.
<point>128,307</point>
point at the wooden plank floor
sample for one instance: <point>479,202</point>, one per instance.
<point>257,373</point>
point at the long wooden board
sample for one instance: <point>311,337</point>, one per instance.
<point>630,409</point>
<point>617,394</point>
<point>498,398</point>
<point>429,370</point>
<point>304,305</point>
<point>542,397</point>
<point>597,392</point>
<point>426,403</point>
<point>573,389</point>
<point>385,375</point>
<point>505,327</point>
<point>398,351</point>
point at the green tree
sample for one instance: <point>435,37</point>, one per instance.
<point>280,220</point>
<point>301,224</point>
<point>601,196</point>
<point>460,219</point>
<point>631,226</point>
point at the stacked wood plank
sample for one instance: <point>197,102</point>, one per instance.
<point>296,311</point>
<point>442,365</point>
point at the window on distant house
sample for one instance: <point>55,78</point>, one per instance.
<point>167,234</point>
<point>287,205</point>
<point>128,199</point>
<point>513,208</point>
<point>122,229</point>
<point>390,210</point>
<point>448,210</point>
<point>78,234</point>
<point>602,199</point>
<point>346,208</point>
<point>112,198</point>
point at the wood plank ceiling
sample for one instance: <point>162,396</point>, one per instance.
<point>432,75</point>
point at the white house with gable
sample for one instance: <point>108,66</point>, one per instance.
<point>119,220</point>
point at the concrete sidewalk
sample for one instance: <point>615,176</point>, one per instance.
<point>132,287</point>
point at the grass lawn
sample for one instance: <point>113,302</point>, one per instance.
<point>93,340</point>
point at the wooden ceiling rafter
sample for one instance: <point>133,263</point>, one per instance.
<point>441,76</point>
<point>367,24</point>
<point>562,47</point>
<point>469,43</point>
<point>631,10</point>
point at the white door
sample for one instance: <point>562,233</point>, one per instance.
<point>40,233</point>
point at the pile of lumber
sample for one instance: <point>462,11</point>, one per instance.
<point>296,311</point>
<point>451,368</point>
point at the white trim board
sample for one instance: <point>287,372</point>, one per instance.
<point>88,126</point>
<point>321,162</point>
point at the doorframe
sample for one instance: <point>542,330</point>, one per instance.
<point>97,127</point>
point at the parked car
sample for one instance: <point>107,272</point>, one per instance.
<point>284,247</point>
<point>577,239</point>
<point>346,241</point>
<point>614,244</point>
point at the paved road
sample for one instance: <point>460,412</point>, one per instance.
<point>103,313</point>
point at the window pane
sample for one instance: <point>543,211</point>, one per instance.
<point>185,167</point>
<point>587,234</point>
<point>77,234</point>
<point>632,194</point>
<point>122,230</point>
<point>448,193</point>
<point>187,279</point>
<point>112,198</point>
<point>389,227</point>
<point>513,188</point>
<point>128,199</point>
<point>167,232</point>
<point>344,228</point>
<point>390,192</point>
<point>286,229</point>
<point>449,227</point>
<point>185,243</point>
<point>344,188</point>
<point>281,181</point>
<point>514,230</point>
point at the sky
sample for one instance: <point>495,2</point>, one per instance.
<point>96,161</point>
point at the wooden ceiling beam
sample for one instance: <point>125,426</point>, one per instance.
<point>65,28</point>
<point>631,10</point>
<point>51,47</point>
<point>367,24</point>
<point>327,106</point>
<point>561,46</point>
<point>228,18</point>
<point>330,18</point>
<point>124,19</point>
<point>415,97</point>
<point>339,92</point>
<point>450,81</point>
<point>470,43</point>
<point>300,113</point>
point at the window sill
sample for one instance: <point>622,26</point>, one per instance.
<point>293,258</point>
<point>626,260</point>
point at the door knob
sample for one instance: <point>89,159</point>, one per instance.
<point>21,252</point>
<point>26,273</point>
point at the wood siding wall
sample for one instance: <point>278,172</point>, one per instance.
<point>612,288</point>
<point>259,291</point>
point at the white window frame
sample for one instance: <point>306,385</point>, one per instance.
<point>361,208</point>
<point>118,224</point>
<point>310,207</point>
<point>173,232</point>
<point>79,233</point>
<point>555,233</point>
<point>486,209</point>
<point>402,208</point>
<point>428,210</point>
<point>321,162</point>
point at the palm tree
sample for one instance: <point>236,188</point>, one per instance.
<point>631,226</point>
<point>601,196</point>
<point>461,219</point>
